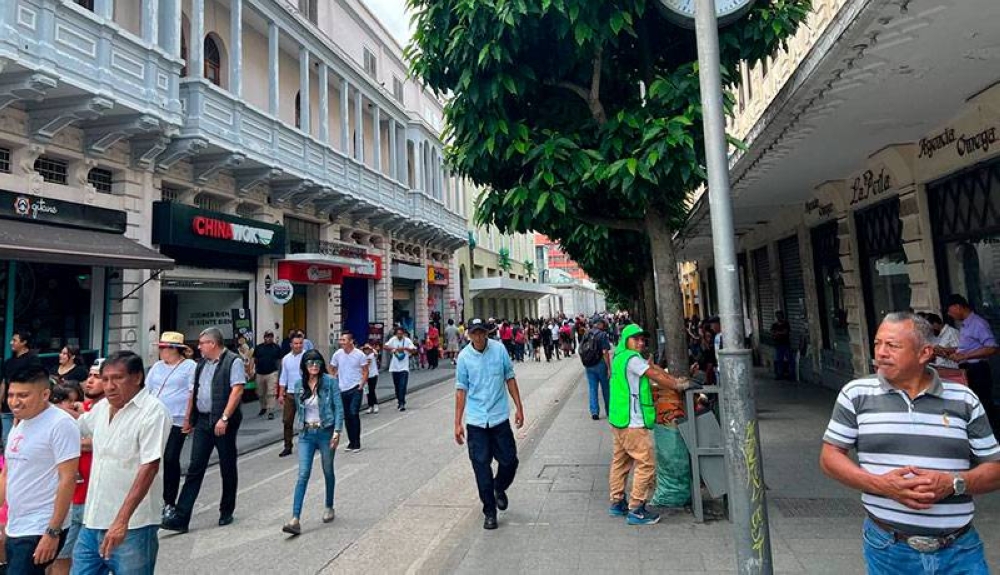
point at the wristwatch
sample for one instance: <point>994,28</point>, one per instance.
<point>958,483</point>
<point>56,532</point>
<point>225,418</point>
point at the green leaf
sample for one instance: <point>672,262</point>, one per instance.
<point>549,178</point>
<point>617,22</point>
<point>632,164</point>
<point>542,198</point>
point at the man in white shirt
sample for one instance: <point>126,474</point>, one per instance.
<point>350,366</point>
<point>43,450</point>
<point>128,431</point>
<point>946,338</point>
<point>400,348</point>
<point>288,383</point>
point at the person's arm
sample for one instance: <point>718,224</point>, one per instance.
<point>364,375</point>
<point>282,381</point>
<point>981,353</point>
<point>119,527</point>
<point>460,415</point>
<point>3,486</point>
<point>47,546</point>
<point>515,394</point>
<point>660,378</point>
<point>237,381</point>
<point>901,485</point>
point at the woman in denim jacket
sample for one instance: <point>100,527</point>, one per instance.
<point>320,417</point>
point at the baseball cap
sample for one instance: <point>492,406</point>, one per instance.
<point>477,324</point>
<point>268,333</point>
<point>96,368</point>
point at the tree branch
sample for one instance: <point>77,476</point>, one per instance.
<point>593,96</point>
<point>613,223</point>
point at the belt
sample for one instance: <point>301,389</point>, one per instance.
<point>312,426</point>
<point>922,543</point>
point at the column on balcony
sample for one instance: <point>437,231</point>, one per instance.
<point>345,117</point>
<point>448,200</point>
<point>236,47</point>
<point>196,40</point>
<point>393,151</point>
<point>104,8</point>
<point>273,78</point>
<point>304,108</point>
<point>418,165</point>
<point>377,138</point>
<point>150,21</point>
<point>359,130</point>
<point>170,20</point>
<point>401,157</point>
<point>324,103</point>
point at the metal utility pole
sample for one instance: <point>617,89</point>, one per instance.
<point>747,504</point>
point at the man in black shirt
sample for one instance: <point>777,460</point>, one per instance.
<point>264,362</point>
<point>20,345</point>
<point>781,334</point>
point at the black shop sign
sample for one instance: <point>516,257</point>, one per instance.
<point>29,208</point>
<point>179,225</point>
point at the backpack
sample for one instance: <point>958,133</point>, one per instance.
<point>590,349</point>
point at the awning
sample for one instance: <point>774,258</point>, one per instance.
<point>32,242</point>
<point>508,288</point>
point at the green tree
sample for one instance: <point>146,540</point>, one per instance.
<point>529,269</point>
<point>582,119</point>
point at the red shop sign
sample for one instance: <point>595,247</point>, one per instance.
<point>299,272</point>
<point>371,271</point>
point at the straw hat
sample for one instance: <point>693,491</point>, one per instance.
<point>173,339</point>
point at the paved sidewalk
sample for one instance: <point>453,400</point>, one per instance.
<point>558,520</point>
<point>257,432</point>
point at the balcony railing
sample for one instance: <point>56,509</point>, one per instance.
<point>92,54</point>
<point>215,115</point>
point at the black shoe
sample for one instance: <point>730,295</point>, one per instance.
<point>270,415</point>
<point>174,524</point>
<point>285,452</point>
<point>261,413</point>
<point>225,520</point>
<point>402,408</point>
<point>594,416</point>
<point>490,522</point>
<point>501,500</point>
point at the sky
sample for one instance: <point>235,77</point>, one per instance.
<point>392,13</point>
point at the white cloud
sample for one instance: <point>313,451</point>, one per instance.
<point>395,17</point>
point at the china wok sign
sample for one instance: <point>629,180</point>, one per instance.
<point>189,227</point>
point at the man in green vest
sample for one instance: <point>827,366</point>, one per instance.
<point>632,415</point>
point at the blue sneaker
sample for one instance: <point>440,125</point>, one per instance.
<point>642,516</point>
<point>618,509</point>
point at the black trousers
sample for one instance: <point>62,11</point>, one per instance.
<point>432,358</point>
<point>372,398</point>
<point>172,465</point>
<point>204,440</point>
<point>400,379</point>
<point>485,445</point>
<point>352,416</point>
<point>20,554</point>
<point>981,383</point>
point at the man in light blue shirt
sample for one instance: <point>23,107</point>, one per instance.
<point>484,377</point>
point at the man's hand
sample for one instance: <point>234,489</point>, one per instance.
<point>186,428</point>
<point>335,440</point>
<point>220,428</point>
<point>905,486</point>
<point>941,484</point>
<point>459,434</point>
<point>45,551</point>
<point>281,399</point>
<point>518,418</point>
<point>113,538</point>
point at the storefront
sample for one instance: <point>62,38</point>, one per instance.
<point>835,340</point>
<point>405,280</point>
<point>217,256</point>
<point>885,279</point>
<point>437,284</point>
<point>57,260</point>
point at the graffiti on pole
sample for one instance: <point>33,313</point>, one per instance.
<point>751,455</point>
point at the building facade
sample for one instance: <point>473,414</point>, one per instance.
<point>871,180</point>
<point>247,164</point>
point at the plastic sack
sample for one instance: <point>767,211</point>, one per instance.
<point>673,468</point>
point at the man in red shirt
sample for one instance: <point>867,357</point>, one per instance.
<point>434,339</point>
<point>93,391</point>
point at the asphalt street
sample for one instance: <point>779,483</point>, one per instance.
<point>402,502</point>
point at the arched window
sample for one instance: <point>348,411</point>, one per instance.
<point>213,62</point>
<point>298,109</point>
<point>184,55</point>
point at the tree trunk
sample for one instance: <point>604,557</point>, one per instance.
<point>647,316</point>
<point>669,301</point>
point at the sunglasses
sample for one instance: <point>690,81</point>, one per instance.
<point>314,363</point>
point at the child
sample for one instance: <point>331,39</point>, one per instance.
<point>423,353</point>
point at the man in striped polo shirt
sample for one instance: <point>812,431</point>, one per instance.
<point>924,448</point>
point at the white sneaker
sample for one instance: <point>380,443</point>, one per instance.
<point>375,407</point>
<point>371,410</point>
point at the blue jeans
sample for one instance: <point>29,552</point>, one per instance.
<point>784,362</point>
<point>884,556</point>
<point>311,441</point>
<point>135,556</point>
<point>399,380</point>
<point>598,375</point>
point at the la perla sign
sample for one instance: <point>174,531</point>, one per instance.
<point>869,185</point>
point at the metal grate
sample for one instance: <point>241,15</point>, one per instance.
<point>209,202</point>
<point>53,171</point>
<point>100,179</point>
<point>5,160</point>
<point>818,508</point>
<point>170,194</point>
<point>880,231</point>
<point>966,204</point>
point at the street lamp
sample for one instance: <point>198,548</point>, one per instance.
<point>747,503</point>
